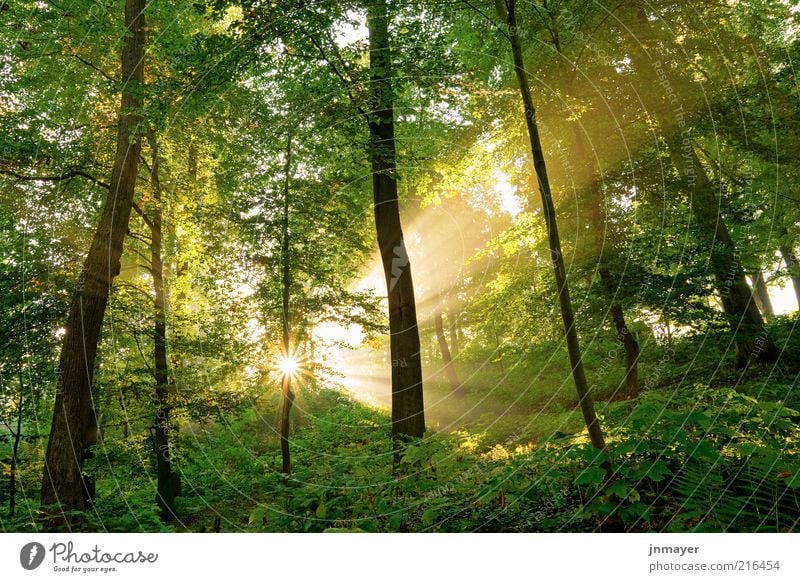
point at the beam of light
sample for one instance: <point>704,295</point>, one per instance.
<point>329,332</point>
<point>288,366</point>
<point>364,368</point>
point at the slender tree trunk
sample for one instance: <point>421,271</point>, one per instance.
<point>126,425</point>
<point>12,476</point>
<point>286,391</point>
<point>192,165</point>
<point>166,479</point>
<point>62,482</point>
<point>312,351</point>
<point>762,294</point>
<point>507,9</point>
<point>181,266</point>
<point>453,329</point>
<point>497,350</point>
<point>408,416</point>
<point>628,341</point>
<point>790,258</point>
<point>444,350</point>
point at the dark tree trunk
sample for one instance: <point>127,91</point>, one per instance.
<point>17,435</point>
<point>126,424</point>
<point>286,389</point>
<point>628,341</point>
<point>166,479</point>
<point>507,9</point>
<point>62,483</point>
<point>762,294</point>
<point>408,416</point>
<point>790,258</point>
<point>444,350</point>
<point>747,325</point>
<point>12,477</point>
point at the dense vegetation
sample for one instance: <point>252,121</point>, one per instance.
<point>211,212</point>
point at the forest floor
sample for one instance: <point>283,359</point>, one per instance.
<point>510,460</point>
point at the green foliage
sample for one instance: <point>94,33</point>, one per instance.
<point>704,447</point>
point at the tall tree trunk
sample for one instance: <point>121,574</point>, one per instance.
<point>452,322</point>
<point>507,10</point>
<point>444,350</point>
<point>126,423</point>
<point>166,479</point>
<point>62,482</point>
<point>762,294</point>
<point>497,350</point>
<point>408,416</point>
<point>790,258</point>
<point>747,325</point>
<point>17,435</point>
<point>628,341</point>
<point>192,165</point>
<point>286,390</point>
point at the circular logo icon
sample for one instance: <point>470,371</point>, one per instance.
<point>31,555</point>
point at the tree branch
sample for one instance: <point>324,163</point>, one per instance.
<point>488,18</point>
<point>95,67</point>
<point>54,178</point>
<point>141,213</point>
<point>346,82</point>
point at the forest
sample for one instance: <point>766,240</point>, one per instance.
<point>399,266</point>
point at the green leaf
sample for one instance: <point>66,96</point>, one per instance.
<point>429,516</point>
<point>658,471</point>
<point>257,515</point>
<point>618,488</point>
<point>590,475</point>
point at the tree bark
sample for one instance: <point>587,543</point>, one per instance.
<point>166,479</point>
<point>453,329</point>
<point>12,476</point>
<point>286,389</point>
<point>62,482</point>
<point>628,341</point>
<point>762,294</point>
<point>408,416</point>
<point>790,258</point>
<point>497,350</point>
<point>444,350</point>
<point>126,423</point>
<point>507,10</point>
